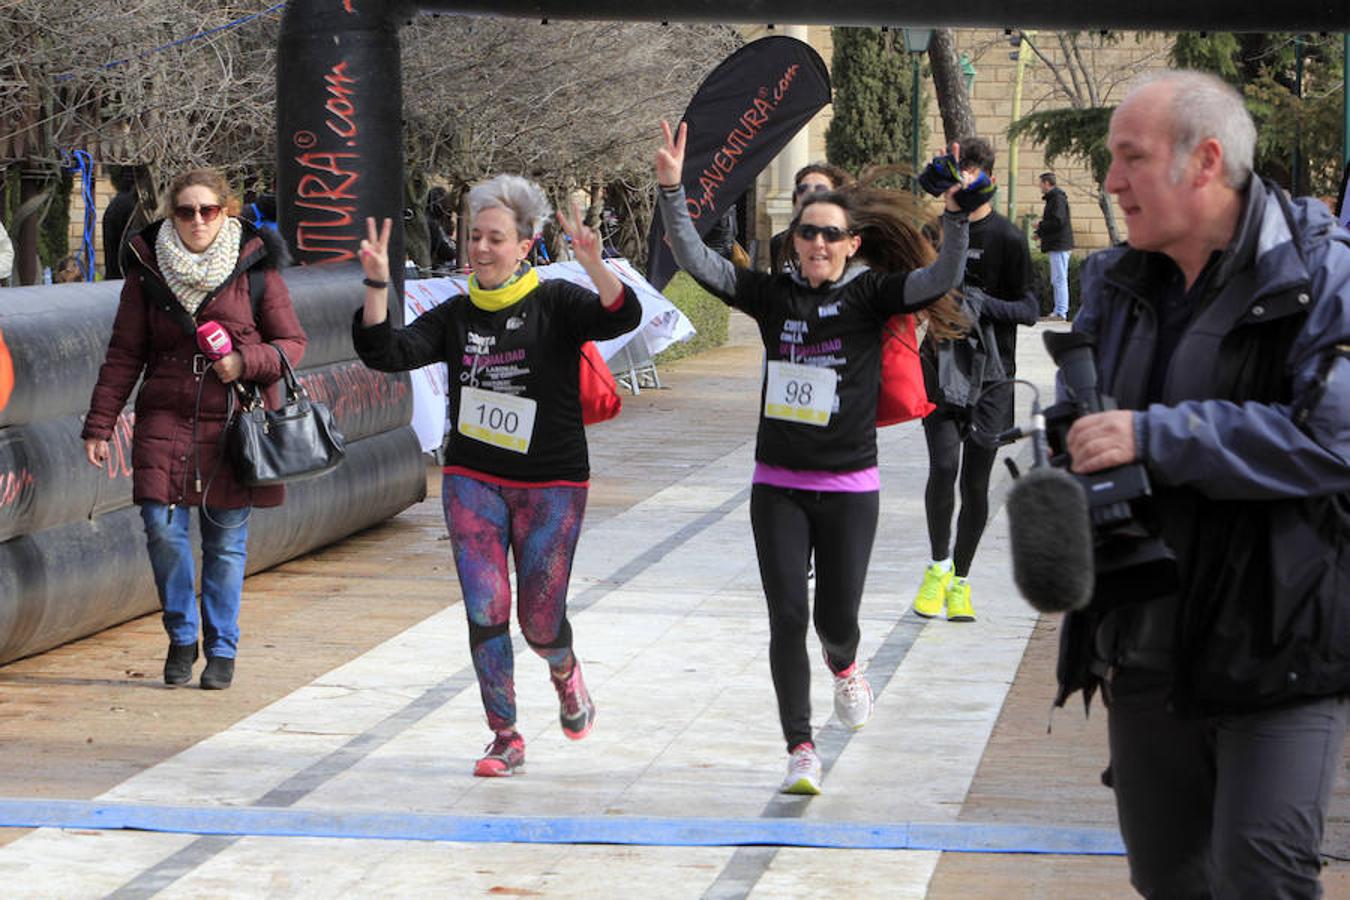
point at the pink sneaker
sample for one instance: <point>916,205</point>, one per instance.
<point>505,756</point>
<point>575,709</point>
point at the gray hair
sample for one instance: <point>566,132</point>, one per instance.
<point>1204,106</point>
<point>519,196</point>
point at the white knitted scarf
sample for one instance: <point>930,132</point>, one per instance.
<point>191,276</point>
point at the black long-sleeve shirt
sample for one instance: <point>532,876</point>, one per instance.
<point>530,349</point>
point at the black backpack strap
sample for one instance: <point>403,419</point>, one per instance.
<point>257,283</point>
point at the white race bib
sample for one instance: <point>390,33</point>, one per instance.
<point>502,420</point>
<point>798,393</point>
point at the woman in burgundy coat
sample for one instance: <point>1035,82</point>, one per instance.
<point>183,271</point>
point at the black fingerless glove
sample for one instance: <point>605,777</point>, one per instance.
<point>973,195</point>
<point>939,175</point>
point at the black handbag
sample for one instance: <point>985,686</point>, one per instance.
<point>274,446</point>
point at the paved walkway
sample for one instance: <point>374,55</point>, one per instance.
<point>340,762</point>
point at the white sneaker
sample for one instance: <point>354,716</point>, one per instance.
<point>852,698</point>
<point>803,771</point>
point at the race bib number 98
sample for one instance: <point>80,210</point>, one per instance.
<point>797,393</point>
<point>502,420</point>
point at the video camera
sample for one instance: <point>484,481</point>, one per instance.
<point>1131,559</point>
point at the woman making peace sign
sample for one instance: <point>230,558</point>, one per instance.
<point>816,485</point>
<point>517,469</point>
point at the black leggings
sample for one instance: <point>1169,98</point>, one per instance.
<point>951,450</point>
<point>789,524</point>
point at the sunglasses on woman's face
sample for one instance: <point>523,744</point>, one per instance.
<point>810,187</point>
<point>187,213</point>
<point>831,233</point>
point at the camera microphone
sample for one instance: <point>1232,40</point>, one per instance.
<point>1050,535</point>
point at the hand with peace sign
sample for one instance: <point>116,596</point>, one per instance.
<point>586,246</point>
<point>375,263</point>
<point>670,158</point>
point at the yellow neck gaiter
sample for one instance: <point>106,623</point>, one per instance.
<point>500,298</point>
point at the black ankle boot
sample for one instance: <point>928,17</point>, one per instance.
<point>218,674</point>
<point>178,664</point>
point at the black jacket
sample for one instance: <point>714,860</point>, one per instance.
<point>1055,230</point>
<point>1247,447</point>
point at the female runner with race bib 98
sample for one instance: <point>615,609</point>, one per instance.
<point>517,468</point>
<point>816,485</point>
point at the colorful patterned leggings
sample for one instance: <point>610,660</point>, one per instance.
<point>540,526</point>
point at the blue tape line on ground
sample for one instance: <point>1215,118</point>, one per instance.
<point>956,837</point>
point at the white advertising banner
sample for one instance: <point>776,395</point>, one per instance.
<point>662,325</point>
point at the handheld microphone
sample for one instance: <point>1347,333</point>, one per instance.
<point>1050,535</point>
<point>214,341</point>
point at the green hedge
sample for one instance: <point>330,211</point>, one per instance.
<point>1040,265</point>
<point>708,315</point>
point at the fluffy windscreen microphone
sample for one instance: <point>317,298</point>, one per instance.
<point>214,341</point>
<point>1051,540</point>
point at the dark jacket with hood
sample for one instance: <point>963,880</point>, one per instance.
<point>1248,448</point>
<point>180,414</point>
<point>1055,230</point>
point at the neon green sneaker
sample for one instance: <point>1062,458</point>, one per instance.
<point>933,592</point>
<point>958,602</point>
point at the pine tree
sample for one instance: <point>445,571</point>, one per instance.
<point>871,125</point>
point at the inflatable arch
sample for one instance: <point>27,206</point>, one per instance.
<point>339,142</point>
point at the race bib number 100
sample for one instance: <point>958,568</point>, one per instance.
<point>798,393</point>
<point>502,420</point>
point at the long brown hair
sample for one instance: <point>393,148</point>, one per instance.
<point>892,241</point>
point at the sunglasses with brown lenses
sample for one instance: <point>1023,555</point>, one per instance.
<point>186,213</point>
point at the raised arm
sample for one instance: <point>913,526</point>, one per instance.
<point>375,263</point>
<point>925,285</point>
<point>586,246</point>
<point>714,272</point>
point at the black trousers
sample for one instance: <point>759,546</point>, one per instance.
<point>1222,806</point>
<point>953,452</point>
<point>789,525</point>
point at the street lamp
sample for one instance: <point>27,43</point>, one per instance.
<point>916,43</point>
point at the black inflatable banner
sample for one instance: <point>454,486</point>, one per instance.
<point>339,127</point>
<point>741,116</point>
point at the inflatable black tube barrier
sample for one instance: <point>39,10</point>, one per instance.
<point>53,337</point>
<point>65,583</point>
<point>45,480</point>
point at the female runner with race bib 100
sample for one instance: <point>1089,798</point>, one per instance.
<point>517,468</point>
<point>816,485</point>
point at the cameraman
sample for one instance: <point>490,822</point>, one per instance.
<point>1222,332</point>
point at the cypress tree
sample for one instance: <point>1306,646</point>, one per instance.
<point>871,75</point>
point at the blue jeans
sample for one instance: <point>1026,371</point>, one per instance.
<point>1059,281</point>
<point>224,550</point>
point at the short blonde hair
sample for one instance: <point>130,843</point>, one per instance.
<point>519,196</point>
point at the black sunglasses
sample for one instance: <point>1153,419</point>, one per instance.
<point>187,213</point>
<point>832,234</point>
<point>810,187</point>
